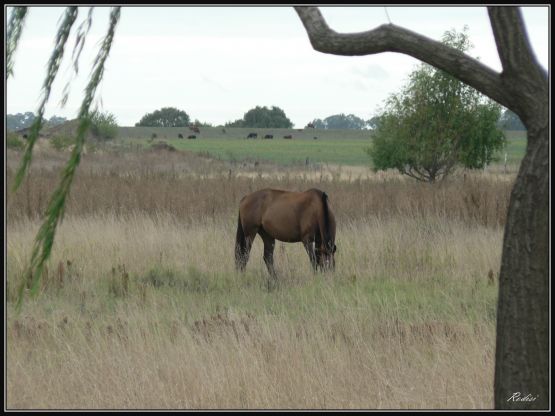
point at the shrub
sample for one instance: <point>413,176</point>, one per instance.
<point>14,142</point>
<point>62,142</point>
<point>104,125</point>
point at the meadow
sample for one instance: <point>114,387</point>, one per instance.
<point>141,306</point>
<point>336,147</point>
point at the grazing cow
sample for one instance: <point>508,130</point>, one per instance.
<point>179,136</point>
<point>289,217</point>
<point>192,136</point>
<point>315,138</point>
<point>25,136</point>
<point>288,136</point>
<point>153,136</point>
<point>269,136</point>
<point>310,126</point>
<point>252,136</point>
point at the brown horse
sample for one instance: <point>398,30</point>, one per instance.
<point>286,216</point>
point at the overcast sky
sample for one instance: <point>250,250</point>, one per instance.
<point>216,63</point>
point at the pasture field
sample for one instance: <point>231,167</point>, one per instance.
<point>141,306</point>
<point>337,147</point>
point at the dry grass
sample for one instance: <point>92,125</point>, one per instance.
<point>192,188</point>
<point>142,308</point>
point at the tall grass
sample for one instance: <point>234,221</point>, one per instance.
<point>141,306</point>
<point>192,188</point>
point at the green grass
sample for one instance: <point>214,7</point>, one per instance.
<point>341,147</point>
<point>516,147</point>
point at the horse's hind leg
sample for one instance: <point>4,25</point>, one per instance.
<point>242,252</point>
<point>269,244</point>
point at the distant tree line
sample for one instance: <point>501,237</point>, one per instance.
<point>20,121</point>
<point>510,121</point>
<point>261,117</point>
<point>341,121</point>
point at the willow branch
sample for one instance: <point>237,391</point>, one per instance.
<point>14,32</point>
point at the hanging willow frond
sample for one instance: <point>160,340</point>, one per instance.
<point>52,71</point>
<point>82,32</point>
<point>45,237</point>
<point>14,32</point>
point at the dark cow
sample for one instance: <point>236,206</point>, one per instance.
<point>179,136</point>
<point>269,136</point>
<point>192,136</point>
<point>310,126</point>
<point>252,136</point>
<point>315,138</point>
<point>223,131</point>
<point>153,136</point>
<point>288,136</point>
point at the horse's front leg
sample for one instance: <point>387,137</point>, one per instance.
<point>269,244</point>
<point>310,249</point>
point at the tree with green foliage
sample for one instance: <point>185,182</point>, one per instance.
<point>237,123</point>
<point>165,117</point>
<point>263,117</point>
<point>435,123</point>
<point>104,125</point>
<point>340,121</point>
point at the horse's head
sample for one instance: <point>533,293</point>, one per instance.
<point>326,256</point>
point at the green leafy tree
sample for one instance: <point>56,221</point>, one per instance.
<point>263,117</point>
<point>56,120</point>
<point>436,123</point>
<point>237,123</point>
<point>104,125</point>
<point>199,123</point>
<point>165,117</point>
<point>340,121</point>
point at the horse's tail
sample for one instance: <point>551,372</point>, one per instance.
<point>240,245</point>
<point>326,228</point>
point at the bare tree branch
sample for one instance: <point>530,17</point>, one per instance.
<point>512,42</point>
<point>392,38</point>
<point>522,74</point>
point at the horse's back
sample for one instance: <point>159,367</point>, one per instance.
<point>284,215</point>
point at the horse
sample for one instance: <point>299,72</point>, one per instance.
<point>290,217</point>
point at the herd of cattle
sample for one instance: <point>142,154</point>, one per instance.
<point>271,136</point>
<point>251,135</point>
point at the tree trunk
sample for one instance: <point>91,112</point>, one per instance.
<point>522,352</point>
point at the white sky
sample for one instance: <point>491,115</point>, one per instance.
<point>216,63</point>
